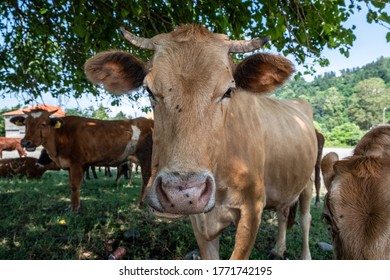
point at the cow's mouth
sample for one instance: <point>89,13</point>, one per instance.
<point>165,215</point>
<point>28,145</point>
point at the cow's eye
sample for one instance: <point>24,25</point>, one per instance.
<point>228,94</point>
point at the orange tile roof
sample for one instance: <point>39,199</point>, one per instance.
<point>59,113</point>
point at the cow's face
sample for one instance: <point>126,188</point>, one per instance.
<point>192,84</point>
<point>38,125</point>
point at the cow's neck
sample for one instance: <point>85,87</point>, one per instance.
<point>49,143</point>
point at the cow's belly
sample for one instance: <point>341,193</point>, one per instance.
<point>63,163</point>
<point>284,188</point>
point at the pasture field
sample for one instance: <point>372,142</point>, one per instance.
<point>36,225</point>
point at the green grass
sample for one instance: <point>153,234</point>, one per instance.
<point>35,224</point>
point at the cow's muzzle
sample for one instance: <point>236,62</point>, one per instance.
<point>28,145</point>
<point>182,193</point>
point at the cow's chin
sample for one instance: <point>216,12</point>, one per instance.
<point>165,215</point>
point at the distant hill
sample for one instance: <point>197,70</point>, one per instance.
<point>350,103</point>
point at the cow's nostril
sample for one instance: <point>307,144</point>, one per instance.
<point>205,194</point>
<point>160,190</point>
<point>25,143</point>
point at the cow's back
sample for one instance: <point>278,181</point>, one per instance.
<point>93,141</point>
<point>9,144</point>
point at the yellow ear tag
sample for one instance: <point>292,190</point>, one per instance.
<point>18,123</point>
<point>57,125</point>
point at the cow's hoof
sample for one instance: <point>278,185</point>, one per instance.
<point>274,256</point>
<point>194,255</point>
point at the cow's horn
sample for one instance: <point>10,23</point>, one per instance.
<point>243,46</point>
<point>52,112</point>
<point>143,43</point>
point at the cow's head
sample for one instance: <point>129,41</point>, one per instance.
<point>356,206</point>
<point>38,125</point>
<point>192,83</point>
<point>43,160</point>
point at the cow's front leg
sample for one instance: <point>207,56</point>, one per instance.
<point>305,218</point>
<point>280,247</point>
<point>208,249</point>
<point>247,228</point>
<point>207,228</point>
<point>75,178</point>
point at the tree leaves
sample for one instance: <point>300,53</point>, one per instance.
<point>45,43</point>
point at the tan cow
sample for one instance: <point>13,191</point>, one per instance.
<point>222,150</point>
<point>357,205</point>
<point>10,144</point>
<point>74,143</point>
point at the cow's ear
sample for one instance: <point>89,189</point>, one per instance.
<point>119,72</point>
<point>327,168</point>
<point>263,72</point>
<point>18,120</point>
<point>56,122</point>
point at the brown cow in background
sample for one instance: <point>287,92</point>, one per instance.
<point>357,205</point>
<point>74,143</point>
<point>23,167</point>
<point>10,144</point>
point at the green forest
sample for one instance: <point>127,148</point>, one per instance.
<point>347,105</point>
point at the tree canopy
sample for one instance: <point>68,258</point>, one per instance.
<point>44,43</point>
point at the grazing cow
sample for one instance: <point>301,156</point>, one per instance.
<point>10,144</point>
<point>376,143</point>
<point>23,167</point>
<point>357,205</point>
<point>74,143</point>
<point>317,168</point>
<point>126,169</point>
<point>222,150</point>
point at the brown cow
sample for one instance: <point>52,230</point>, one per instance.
<point>74,143</point>
<point>357,205</point>
<point>222,150</point>
<point>10,144</point>
<point>23,167</point>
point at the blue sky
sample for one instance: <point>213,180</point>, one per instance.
<point>369,45</point>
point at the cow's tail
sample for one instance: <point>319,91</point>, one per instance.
<point>292,214</point>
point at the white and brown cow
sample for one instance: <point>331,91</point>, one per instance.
<point>357,205</point>
<point>222,150</point>
<point>75,143</point>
